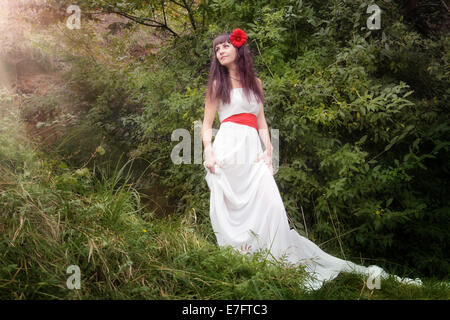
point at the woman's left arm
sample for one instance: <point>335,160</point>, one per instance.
<point>263,129</point>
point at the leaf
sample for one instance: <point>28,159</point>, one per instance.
<point>362,140</point>
<point>389,146</point>
<point>389,201</point>
<point>408,93</point>
<point>416,143</point>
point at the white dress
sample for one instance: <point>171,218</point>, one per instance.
<point>246,209</point>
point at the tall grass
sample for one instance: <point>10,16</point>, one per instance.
<point>52,217</point>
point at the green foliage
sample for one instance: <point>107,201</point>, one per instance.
<point>364,165</point>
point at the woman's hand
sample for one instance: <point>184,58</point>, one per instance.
<point>267,159</point>
<point>211,161</point>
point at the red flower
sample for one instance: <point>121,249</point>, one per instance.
<point>238,37</point>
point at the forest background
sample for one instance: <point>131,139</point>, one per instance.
<point>87,119</point>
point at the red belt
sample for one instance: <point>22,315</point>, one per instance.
<point>249,119</point>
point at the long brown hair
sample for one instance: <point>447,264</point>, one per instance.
<point>219,73</point>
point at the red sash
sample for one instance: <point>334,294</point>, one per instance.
<point>249,119</point>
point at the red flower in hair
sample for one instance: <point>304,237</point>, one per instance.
<point>238,37</point>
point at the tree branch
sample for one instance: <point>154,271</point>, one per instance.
<point>178,4</point>
<point>191,17</point>
<point>141,20</point>
<point>187,7</point>
<point>445,5</point>
<point>164,13</point>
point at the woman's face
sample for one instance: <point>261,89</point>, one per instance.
<point>225,53</point>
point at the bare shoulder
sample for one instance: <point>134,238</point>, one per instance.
<point>213,88</point>
<point>259,83</point>
<point>259,80</point>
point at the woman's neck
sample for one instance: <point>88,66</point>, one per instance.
<point>233,72</point>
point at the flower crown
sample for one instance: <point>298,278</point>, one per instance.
<point>238,38</point>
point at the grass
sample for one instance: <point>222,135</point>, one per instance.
<point>52,217</point>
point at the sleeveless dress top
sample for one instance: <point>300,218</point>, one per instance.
<point>238,104</point>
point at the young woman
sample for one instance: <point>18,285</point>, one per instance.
<point>246,208</point>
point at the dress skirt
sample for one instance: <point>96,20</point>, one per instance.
<point>247,212</point>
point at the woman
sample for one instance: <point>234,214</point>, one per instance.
<point>246,208</point>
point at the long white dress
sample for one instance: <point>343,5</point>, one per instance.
<point>246,209</point>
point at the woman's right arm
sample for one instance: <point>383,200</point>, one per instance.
<point>208,119</point>
<point>210,113</point>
